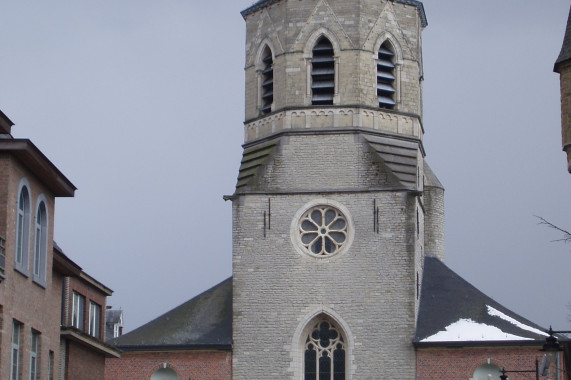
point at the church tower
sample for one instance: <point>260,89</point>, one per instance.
<point>334,207</point>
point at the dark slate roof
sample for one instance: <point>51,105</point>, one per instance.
<point>253,159</point>
<point>565,53</point>
<point>265,3</point>
<point>447,298</point>
<point>430,178</point>
<point>204,322</point>
<point>113,316</point>
<point>400,156</point>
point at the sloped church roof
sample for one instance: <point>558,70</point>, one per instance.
<point>452,312</point>
<point>205,321</point>
<point>565,54</point>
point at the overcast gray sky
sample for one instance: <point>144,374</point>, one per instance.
<point>140,104</point>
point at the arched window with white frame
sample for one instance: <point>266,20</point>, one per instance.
<point>324,351</point>
<point>40,243</point>
<point>322,72</point>
<point>22,230</point>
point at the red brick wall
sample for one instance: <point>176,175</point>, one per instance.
<point>83,364</point>
<point>21,299</point>
<point>194,365</point>
<point>460,363</point>
<point>91,294</point>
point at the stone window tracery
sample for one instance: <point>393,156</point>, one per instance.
<point>324,352</point>
<point>323,230</point>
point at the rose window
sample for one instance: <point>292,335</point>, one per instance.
<point>323,230</point>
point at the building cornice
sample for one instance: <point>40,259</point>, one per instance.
<point>37,163</point>
<point>73,334</point>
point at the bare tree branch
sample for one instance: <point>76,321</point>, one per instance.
<point>566,234</point>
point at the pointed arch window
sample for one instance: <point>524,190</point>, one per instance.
<point>322,73</point>
<point>41,242</point>
<point>386,76</point>
<point>267,89</point>
<point>22,230</point>
<point>324,357</point>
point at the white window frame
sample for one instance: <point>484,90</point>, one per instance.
<point>94,319</point>
<point>16,352</point>
<point>22,244</point>
<point>41,243</point>
<point>35,355</point>
<point>78,311</point>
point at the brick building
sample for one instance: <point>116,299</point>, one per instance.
<point>338,222</point>
<point>35,338</point>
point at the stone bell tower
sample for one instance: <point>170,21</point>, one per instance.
<point>334,207</point>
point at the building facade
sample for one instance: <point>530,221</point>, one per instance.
<point>329,225</point>
<point>33,270</point>
<point>338,221</point>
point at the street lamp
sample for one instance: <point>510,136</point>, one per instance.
<point>536,370</point>
<point>551,347</point>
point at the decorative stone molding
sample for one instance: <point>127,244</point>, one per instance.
<point>328,118</point>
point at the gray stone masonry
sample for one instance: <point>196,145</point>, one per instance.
<point>321,155</point>
<point>356,29</point>
<point>370,288</point>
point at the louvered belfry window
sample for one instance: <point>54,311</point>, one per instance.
<point>322,73</point>
<point>267,82</point>
<point>386,76</point>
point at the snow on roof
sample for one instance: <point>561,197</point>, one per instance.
<point>466,330</point>
<point>453,310</point>
<point>496,313</point>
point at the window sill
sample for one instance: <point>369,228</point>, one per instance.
<point>21,270</point>
<point>40,282</point>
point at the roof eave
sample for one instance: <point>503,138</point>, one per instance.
<point>5,124</point>
<point>90,342</point>
<point>64,264</point>
<point>557,66</point>
<point>96,284</point>
<point>35,161</point>
<point>480,343</point>
<point>177,347</point>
